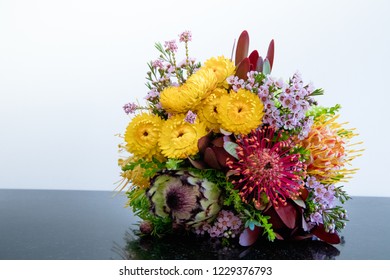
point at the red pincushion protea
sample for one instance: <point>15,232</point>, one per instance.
<point>266,166</point>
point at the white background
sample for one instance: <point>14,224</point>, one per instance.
<point>67,67</point>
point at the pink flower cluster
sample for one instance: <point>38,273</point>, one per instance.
<point>324,200</point>
<point>226,225</point>
<point>185,36</point>
<point>171,46</point>
<point>130,108</point>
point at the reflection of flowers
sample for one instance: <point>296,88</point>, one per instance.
<point>191,247</point>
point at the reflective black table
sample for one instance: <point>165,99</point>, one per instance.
<point>93,225</point>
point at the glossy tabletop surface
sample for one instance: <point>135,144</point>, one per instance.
<point>94,225</point>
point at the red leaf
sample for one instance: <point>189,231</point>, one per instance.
<point>278,236</point>
<point>197,164</point>
<point>211,159</point>
<point>253,57</point>
<point>203,143</point>
<point>242,47</point>
<point>249,237</point>
<point>259,65</point>
<point>221,155</point>
<point>243,68</point>
<point>328,237</point>
<point>304,193</point>
<point>270,53</point>
<point>218,142</point>
<point>288,214</point>
<point>276,222</point>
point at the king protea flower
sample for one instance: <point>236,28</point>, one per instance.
<point>184,197</point>
<point>266,168</point>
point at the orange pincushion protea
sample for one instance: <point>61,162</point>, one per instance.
<point>329,150</point>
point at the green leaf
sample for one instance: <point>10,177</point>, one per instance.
<point>173,164</point>
<point>318,91</point>
<point>266,67</point>
<point>300,203</point>
<point>230,147</point>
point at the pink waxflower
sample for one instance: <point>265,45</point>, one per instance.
<point>130,108</point>
<point>158,64</point>
<point>190,117</point>
<point>186,36</point>
<point>171,46</point>
<point>235,223</point>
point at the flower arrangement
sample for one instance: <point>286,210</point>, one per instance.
<point>224,150</point>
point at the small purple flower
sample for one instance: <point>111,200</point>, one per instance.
<point>171,46</point>
<point>130,108</point>
<point>158,64</point>
<point>190,117</point>
<point>279,83</point>
<point>329,197</point>
<point>185,36</point>
<point>235,223</point>
<point>202,228</point>
<point>214,231</point>
<point>152,94</point>
<point>170,69</point>
<point>316,218</point>
<point>286,101</point>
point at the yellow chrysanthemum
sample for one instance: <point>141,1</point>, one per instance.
<point>327,142</point>
<point>203,82</point>
<point>207,111</point>
<point>142,136</point>
<point>240,112</point>
<point>179,100</point>
<point>179,139</point>
<point>222,67</point>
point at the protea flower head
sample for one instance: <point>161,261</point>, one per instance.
<point>266,169</point>
<point>330,150</point>
<point>184,197</point>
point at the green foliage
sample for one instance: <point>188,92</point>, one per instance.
<point>335,216</point>
<point>140,205</point>
<point>255,218</point>
<point>317,111</point>
<point>259,78</point>
<point>341,194</point>
<point>151,167</point>
<point>305,154</point>
<point>173,164</point>
<point>318,91</point>
<point>233,199</point>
